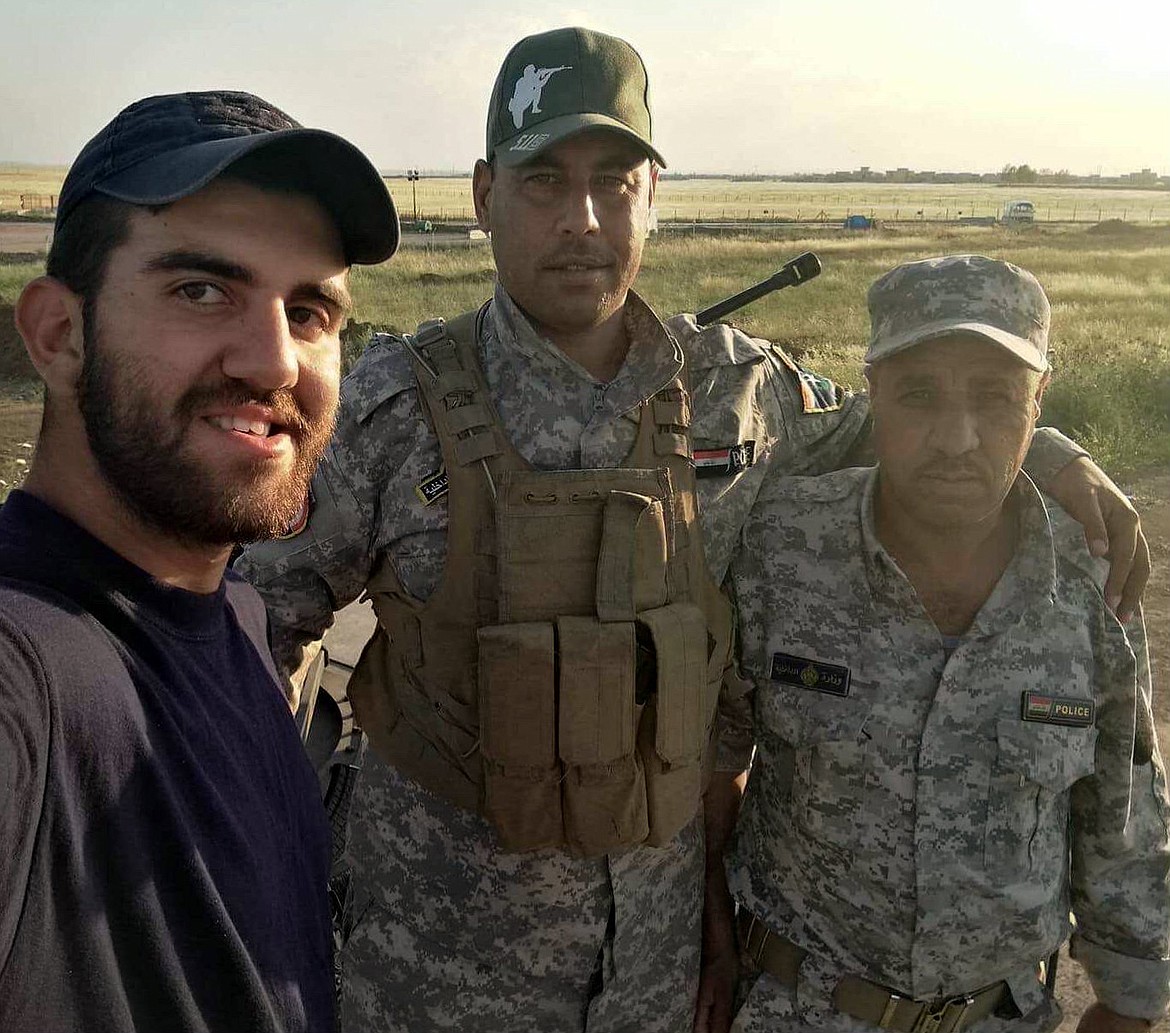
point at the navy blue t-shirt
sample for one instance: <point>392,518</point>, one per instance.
<point>164,855</point>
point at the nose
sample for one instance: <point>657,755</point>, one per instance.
<point>578,215</point>
<point>955,432</point>
<point>265,353</point>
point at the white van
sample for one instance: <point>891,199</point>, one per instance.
<point>1019,211</point>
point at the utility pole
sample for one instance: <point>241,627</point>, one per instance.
<point>412,176</point>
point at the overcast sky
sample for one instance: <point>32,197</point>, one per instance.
<point>738,86</point>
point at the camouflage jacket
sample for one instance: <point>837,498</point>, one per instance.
<point>745,392</point>
<point>523,933</point>
<point>903,821</point>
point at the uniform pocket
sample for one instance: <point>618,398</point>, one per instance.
<point>1027,801</point>
<point>819,742</point>
<point>604,789</point>
<point>517,706</point>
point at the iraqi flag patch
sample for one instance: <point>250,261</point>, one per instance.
<point>726,461</point>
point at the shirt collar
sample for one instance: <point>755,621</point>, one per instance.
<point>653,361</point>
<point>1030,577</point>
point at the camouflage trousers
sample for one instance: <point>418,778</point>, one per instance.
<point>452,934</point>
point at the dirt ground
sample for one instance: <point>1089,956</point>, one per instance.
<point>18,427</point>
<point>17,238</point>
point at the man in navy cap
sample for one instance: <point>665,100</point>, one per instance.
<point>165,853</point>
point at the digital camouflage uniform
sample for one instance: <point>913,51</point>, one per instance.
<point>913,831</point>
<point>457,934</point>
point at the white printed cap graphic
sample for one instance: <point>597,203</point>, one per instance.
<point>558,83</point>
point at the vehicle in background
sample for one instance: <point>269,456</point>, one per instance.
<point>1019,212</point>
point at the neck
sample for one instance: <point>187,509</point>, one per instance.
<point>953,569</point>
<point>70,482</point>
<point>600,349</point>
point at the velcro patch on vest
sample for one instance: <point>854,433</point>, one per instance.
<point>302,518</point>
<point>724,462</point>
<point>1071,711</point>
<point>810,674</point>
<point>433,488</point>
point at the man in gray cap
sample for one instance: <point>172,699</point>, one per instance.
<point>540,498</point>
<point>165,854</point>
<point>955,744</point>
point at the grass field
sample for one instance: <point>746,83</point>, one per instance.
<point>714,200</point>
<point>15,180</point>
<point>1110,294</point>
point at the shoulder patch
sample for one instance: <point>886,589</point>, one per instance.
<point>817,393</point>
<point>384,371</point>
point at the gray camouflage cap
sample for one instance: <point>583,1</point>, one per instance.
<point>959,294</point>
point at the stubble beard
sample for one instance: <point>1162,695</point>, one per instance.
<point>141,452</point>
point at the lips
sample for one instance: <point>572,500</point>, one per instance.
<point>260,428</point>
<point>578,263</point>
<point>232,409</point>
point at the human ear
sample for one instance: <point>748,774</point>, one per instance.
<point>49,321</point>
<point>482,179</point>
<point>1045,379</point>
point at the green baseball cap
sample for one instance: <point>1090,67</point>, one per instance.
<point>557,83</point>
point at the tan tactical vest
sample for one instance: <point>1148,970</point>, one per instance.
<point>563,677</point>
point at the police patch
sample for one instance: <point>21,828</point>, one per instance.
<point>1058,710</point>
<point>726,461</point>
<point>810,674</point>
<point>433,488</point>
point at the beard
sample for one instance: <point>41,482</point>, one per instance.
<point>142,452</point>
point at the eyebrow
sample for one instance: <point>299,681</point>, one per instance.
<point>337,297</point>
<point>213,265</point>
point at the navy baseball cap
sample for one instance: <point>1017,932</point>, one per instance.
<point>162,149</point>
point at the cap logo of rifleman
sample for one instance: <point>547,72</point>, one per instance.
<point>528,89</point>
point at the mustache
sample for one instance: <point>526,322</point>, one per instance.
<point>283,404</point>
<point>578,256</point>
<point>952,468</point>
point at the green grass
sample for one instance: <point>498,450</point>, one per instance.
<point>15,180</point>
<point>1110,295</point>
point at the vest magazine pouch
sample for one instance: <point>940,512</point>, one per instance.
<point>554,521</point>
<point>604,790</point>
<point>675,726</point>
<point>631,567</point>
<point>517,707</point>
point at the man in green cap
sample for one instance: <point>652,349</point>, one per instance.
<point>519,492</point>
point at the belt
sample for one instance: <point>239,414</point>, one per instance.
<point>863,999</point>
